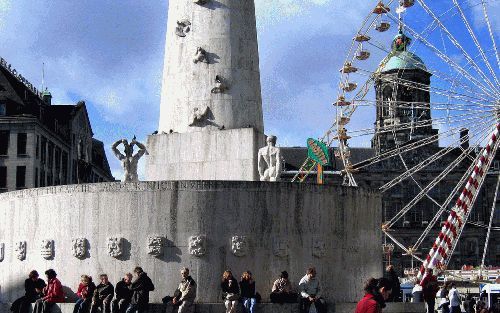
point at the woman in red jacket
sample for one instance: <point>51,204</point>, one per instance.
<point>377,292</point>
<point>52,293</point>
<point>84,293</point>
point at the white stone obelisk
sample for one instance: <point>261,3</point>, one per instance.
<point>211,123</point>
<point>226,31</point>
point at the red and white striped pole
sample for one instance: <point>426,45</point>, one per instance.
<point>451,230</point>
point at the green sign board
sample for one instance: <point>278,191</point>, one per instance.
<point>318,151</point>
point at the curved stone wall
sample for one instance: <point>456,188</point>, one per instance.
<point>207,226</point>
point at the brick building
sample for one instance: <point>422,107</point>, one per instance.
<point>43,144</point>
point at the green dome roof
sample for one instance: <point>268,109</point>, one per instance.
<point>404,60</point>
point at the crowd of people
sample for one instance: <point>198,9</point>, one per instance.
<point>131,293</point>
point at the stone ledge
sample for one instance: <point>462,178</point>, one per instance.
<point>261,308</point>
<point>199,185</point>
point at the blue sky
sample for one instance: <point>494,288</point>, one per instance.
<point>110,53</point>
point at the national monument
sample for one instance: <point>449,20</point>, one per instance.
<point>203,205</point>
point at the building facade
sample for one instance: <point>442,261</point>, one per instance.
<point>43,144</point>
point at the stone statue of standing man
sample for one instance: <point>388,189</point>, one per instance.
<point>269,161</point>
<point>129,160</point>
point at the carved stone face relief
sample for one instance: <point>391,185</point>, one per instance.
<point>2,251</point>
<point>47,248</point>
<point>79,247</point>
<point>156,245</point>
<point>318,248</point>
<point>115,246</point>
<point>20,250</point>
<point>197,245</point>
<point>239,245</point>
<point>280,247</point>
<point>183,27</point>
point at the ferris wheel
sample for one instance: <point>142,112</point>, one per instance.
<point>428,71</point>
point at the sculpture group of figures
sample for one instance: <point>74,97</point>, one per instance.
<point>268,158</point>
<point>197,246</point>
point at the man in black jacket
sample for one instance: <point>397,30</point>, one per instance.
<point>393,278</point>
<point>33,287</point>
<point>123,295</point>
<point>103,295</point>
<point>140,287</point>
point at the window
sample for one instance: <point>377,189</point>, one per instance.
<point>43,152</point>
<point>3,177</point>
<point>21,143</point>
<point>64,171</point>
<point>50,155</point>
<point>4,142</point>
<point>3,109</point>
<point>42,178</point>
<point>21,177</point>
<point>37,152</point>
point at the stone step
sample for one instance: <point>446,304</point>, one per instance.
<point>261,308</point>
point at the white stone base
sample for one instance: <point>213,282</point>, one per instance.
<point>207,155</point>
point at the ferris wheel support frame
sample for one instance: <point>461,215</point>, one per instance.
<point>447,239</point>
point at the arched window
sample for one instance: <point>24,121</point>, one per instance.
<point>387,98</point>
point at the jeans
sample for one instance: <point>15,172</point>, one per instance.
<point>42,306</point>
<point>249,304</point>
<point>119,305</point>
<point>135,308</point>
<point>231,306</point>
<point>429,306</point>
<point>305,305</point>
<point>81,305</point>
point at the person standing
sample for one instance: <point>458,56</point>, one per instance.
<point>394,281</point>
<point>454,297</point>
<point>282,290</point>
<point>85,291</point>
<point>123,295</point>
<point>377,291</point>
<point>444,303</point>
<point>103,295</point>
<point>430,288</point>
<point>247,287</point>
<point>184,296</point>
<point>140,288</point>
<point>230,291</point>
<point>53,293</point>
<point>33,287</point>
<point>310,292</point>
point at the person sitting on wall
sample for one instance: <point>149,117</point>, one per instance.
<point>85,291</point>
<point>103,295</point>
<point>140,287</point>
<point>230,291</point>
<point>184,295</point>
<point>282,290</point>
<point>53,293</point>
<point>123,295</point>
<point>248,294</point>
<point>310,293</point>
<point>33,286</point>
<point>377,291</point>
